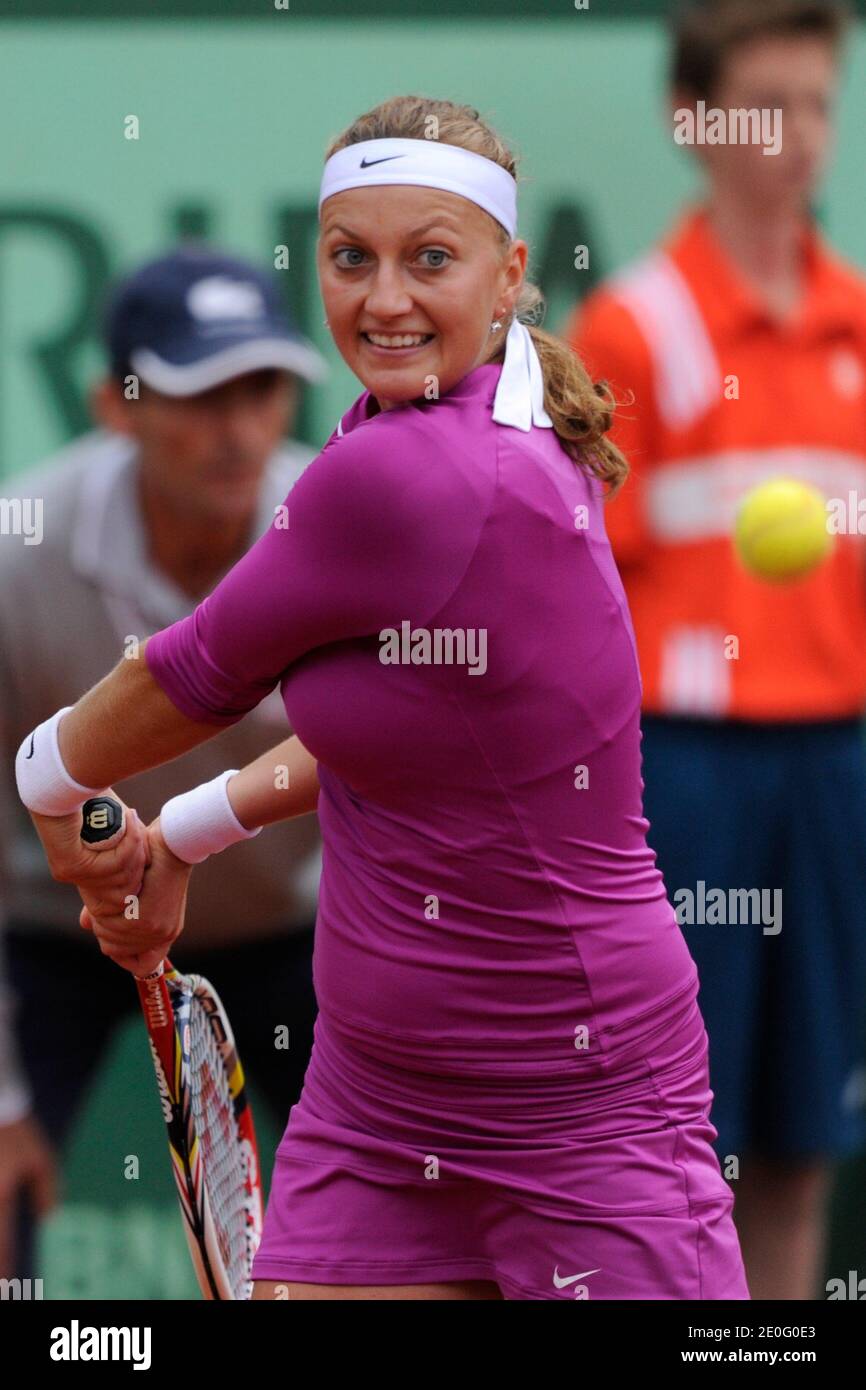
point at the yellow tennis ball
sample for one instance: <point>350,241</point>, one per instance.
<point>781,530</point>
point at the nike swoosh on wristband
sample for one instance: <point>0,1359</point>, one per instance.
<point>365,163</point>
<point>30,754</point>
<point>572,1278</point>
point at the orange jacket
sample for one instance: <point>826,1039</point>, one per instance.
<point>726,396</point>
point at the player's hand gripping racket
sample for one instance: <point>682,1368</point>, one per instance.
<point>205,1106</point>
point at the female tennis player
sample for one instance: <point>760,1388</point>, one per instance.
<point>508,1094</point>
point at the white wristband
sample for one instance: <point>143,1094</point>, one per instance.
<point>44,785</point>
<point>201,822</point>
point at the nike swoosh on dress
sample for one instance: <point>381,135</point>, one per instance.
<point>561,1283</point>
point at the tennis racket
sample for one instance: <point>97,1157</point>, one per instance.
<point>205,1106</point>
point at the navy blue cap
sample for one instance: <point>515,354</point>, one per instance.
<point>196,318</point>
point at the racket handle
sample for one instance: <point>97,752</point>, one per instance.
<point>101,818</point>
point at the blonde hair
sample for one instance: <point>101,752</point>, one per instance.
<point>581,410</point>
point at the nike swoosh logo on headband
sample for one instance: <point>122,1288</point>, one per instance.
<point>30,754</point>
<point>365,163</point>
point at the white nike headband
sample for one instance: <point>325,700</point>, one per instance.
<point>428,164</point>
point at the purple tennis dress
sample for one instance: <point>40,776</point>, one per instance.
<point>509,1078</point>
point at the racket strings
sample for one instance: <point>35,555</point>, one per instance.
<point>221,1153</point>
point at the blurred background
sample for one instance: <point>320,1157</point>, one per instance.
<point>235,103</point>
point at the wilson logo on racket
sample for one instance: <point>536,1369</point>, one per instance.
<point>153,1003</point>
<point>161,1085</point>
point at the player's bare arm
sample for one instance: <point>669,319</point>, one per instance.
<point>279,785</point>
<point>126,724</point>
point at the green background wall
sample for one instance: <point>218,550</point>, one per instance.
<point>236,102</point>
<point>234,119</point>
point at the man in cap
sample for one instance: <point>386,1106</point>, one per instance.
<point>138,520</point>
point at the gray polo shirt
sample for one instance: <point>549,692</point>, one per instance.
<point>67,604</point>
